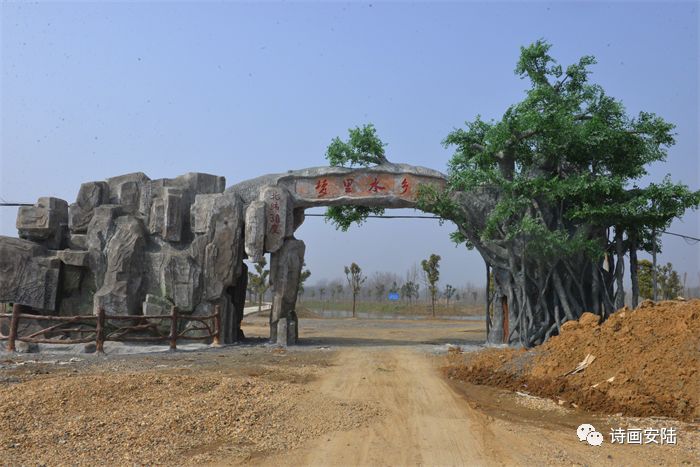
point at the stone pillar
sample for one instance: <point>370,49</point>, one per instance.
<point>285,270</point>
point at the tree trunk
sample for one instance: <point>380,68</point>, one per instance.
<point>542,291</point>
<point>634,278</point>
<point>353,304</point>
<point>488,300</point>
<point>619,269</point>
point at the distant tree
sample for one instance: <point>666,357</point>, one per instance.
<point>379,290</point>
<point>409,290</point>
<point>259,281</point>
<point>302,278</point>
<point>670,284</point>
<point>645,278</point>
<point>449,292</point>
<point>338,289</point>
<point>394,287</point>
<point>431,268</point>
<point>667,279</point>
<point>355,280</point>
<point>321,292</point>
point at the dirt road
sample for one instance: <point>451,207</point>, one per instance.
<point>426,422</point>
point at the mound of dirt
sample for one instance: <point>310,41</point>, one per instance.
<point>645,362</point>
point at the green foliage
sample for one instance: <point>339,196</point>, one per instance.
<point>344,216</point>
<point>563,162</point>
<point>668,281</point>
<point>363,148</point>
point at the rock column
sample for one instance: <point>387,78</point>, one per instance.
<point>285,271</point>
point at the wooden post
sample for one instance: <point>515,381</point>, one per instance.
<point>173,328</point>
<point>14,323</point>
<point>217,325</point>
<point>100,331</point>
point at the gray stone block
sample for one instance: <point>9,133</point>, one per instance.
<point>27,276</point>
<point>73,257</point>
<point>255,231</point>
<point>45,222</point>
<point>173,215</point>
<point>180,279</point>
<point>278,210</point>
<point>200,213</point>
<point>77,241</point>
<point>90,195</point>
<point>120,292</point>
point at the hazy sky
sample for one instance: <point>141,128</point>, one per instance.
<point>92,90</point>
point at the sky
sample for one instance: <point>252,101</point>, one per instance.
<point>93,90</point>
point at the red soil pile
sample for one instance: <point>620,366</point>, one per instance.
<point>646,363</point>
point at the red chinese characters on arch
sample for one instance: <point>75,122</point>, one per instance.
<point>347,184</point>
<point>359,185</point>
<point>322,187</point>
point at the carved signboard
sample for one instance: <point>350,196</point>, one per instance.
<point>361,185</point>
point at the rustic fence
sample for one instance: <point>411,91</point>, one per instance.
<point>209,323</point>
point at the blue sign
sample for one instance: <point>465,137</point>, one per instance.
<point>393,296</point>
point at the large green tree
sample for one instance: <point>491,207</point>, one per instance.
<point>550,196</point>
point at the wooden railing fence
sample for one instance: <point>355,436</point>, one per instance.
<point>103,322</point>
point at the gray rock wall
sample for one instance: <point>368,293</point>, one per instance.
<point>132,246</point>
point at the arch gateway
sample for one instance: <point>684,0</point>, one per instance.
<point>135,246</point>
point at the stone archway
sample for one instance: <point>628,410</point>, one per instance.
<point>136,246</point>
<point>275,207</point>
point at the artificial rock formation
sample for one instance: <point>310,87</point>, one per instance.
<point>132,246</point>
<point>136,246</point>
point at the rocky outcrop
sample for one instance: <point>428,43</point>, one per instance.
<point>132,246</point>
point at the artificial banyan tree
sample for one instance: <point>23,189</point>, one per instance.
<point>549,196</point>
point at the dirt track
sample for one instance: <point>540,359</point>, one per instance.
<point>426,422</point>
<point>357,392</point>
